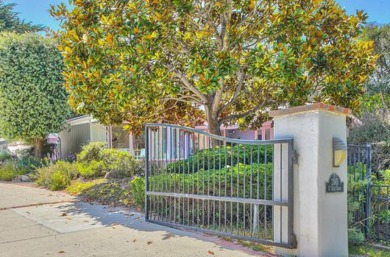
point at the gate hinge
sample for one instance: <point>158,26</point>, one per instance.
<point>295,157</point>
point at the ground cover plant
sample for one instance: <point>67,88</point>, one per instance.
<point>98,174</point>
<point>14,166</point>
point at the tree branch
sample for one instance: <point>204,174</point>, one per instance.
<point>187,84</point>
<point>185,99</point>
<point>241,115</point>
<point>241,78</point>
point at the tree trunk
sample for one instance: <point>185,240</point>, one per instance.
<point>38,148</point>
<point>213,125</point>
<point>212,120</point>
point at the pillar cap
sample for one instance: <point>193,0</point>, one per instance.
<point>311,107</point>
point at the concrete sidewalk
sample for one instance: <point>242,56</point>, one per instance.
<point>37,222</point>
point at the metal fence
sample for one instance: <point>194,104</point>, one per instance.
<point>380,212</point>
<point>371,214</point>
<point>230,187</point>
<point>359,179</point>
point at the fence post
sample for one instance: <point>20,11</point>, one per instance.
<point>368,192</point>
<point>320,189</point>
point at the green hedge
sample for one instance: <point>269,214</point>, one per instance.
<point>219,157</point>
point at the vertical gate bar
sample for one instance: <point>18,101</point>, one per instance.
<point>193,140</point>
<point>167,189</point>
<point>146,172</point>
<point>159,143</point>
<point>177,143</point>
<point>153,185</point>
<point>219,184</point>
<point>184,174</point>
<point>208,182</point>
<point>290,197</point>
<point>226,181</point>
<point>180,178</point>
<point>214,153</point>
<point>354,165</point>
<point>171,160</point>
<point>251,223</point>
<point>238,190</point>
<point>265,188</point>
<point>203,180</point>
<point>189,177</point>
<point>231,186</point>
<point>368,193</point>
<point>197,183</point>
<point>244,196</point>
<point>379,211</point>
<point>281,192</point>
<point>387,214</point>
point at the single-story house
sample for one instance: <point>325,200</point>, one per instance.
<point>84,129</point>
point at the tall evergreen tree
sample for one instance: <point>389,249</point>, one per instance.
<point>9,20</point>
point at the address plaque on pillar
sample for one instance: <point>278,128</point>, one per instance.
<point>334,184</point>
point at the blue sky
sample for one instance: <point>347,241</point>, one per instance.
<point>36,11</point>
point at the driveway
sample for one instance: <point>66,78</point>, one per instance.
<point>37,222</point>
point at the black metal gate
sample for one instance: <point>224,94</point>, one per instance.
<point>359,179</point>
<point>226,186</point>
<point>368,202</point>
<point>380,195</point>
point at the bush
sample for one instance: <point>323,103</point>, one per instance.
<point>96,161</point>
<point>355,237</point>
<point>92,169</point>
<point>120,164</point>
<point>31,163</point>
<point>90,152</point>
<point>138,191</point>
<point>237,181</point>
<point>57,176</point>
<point>219,157</point>
<point>10,170</point>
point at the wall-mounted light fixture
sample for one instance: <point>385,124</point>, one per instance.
<point>339,152</point>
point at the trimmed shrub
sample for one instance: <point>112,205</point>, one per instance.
<point>57,176</point>
<point>219,157</point>
<point>237,181</point>
<point>137,186</point>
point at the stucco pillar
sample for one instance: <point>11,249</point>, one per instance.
<point>320,217</point>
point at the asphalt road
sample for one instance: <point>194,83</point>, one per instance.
<point>38,222</point>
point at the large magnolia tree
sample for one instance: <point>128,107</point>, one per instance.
<point>234,59</point>
<point>33,101</point>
